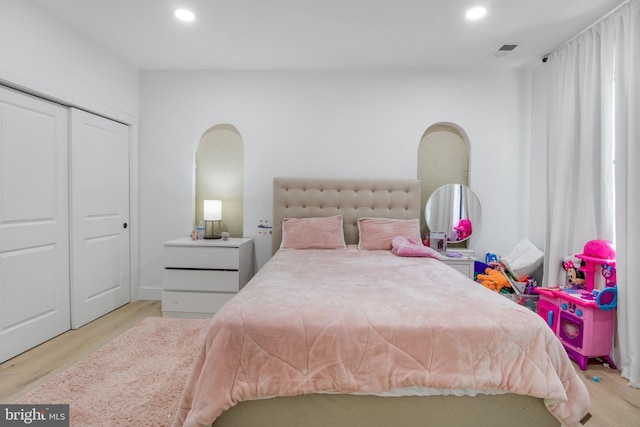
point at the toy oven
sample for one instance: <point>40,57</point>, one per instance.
<point>571,329</point>
<point>587,330</point>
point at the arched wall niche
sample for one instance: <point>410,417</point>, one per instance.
<point>220,175</point>
<point>443,158</point>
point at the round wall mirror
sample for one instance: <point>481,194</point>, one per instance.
<point>453,209</point>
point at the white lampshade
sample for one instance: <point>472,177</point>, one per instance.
<point>212,210</point>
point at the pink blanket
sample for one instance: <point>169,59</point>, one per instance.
<point>369,321</point>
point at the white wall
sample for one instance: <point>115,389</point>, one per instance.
<point>353,124</point>
<point>41,55</point>
<point>359,124</point>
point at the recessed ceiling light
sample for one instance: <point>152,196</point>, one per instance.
<point>184,15</point>
<point>476,13</point>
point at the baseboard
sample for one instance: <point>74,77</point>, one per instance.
<point>150,293</point>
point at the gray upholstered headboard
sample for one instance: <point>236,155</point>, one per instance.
<point>353,198</point>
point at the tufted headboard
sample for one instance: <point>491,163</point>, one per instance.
<point>353,198</point>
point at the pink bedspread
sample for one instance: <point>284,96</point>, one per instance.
<point>369,321</point>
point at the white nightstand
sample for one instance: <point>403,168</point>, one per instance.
<point>200,276</point>
<point>465,264</point>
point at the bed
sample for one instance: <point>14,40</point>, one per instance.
<point>332,333</point>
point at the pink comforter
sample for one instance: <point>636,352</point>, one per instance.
<point>369,321</point>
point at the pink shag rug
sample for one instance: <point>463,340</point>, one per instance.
<point>134,380</point>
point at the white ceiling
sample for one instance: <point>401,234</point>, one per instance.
<point>328,34</point>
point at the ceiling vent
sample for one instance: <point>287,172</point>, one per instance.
<point>505,49</point>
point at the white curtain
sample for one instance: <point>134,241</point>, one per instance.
<point>624,25</point>
<point>579,153</point>
<point>594,110</point>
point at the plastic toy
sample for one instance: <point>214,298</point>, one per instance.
<point>607,299</point>
<point>464,228</point>
<point>583,318</point>
<point>494,280</point>
<point>596,253</point>
<point>531,287</point>
<point>491,259</point>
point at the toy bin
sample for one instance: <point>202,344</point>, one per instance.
<point>529,301</point>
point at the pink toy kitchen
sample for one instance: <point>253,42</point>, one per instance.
<point>581,313</point>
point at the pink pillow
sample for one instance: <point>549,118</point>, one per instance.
<point>409,247</point>
<point>313,233</point>
<point>377,233</point>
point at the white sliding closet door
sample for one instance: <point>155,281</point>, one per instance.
<point>34,222</point>
<point>100,280</point>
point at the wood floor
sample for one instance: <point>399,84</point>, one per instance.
<point>30,369</point>
<point>613,402</point>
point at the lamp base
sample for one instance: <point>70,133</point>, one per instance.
<point>213,227</point>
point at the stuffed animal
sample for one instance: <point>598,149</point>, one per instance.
<point>494,280</point>
<point>575,277</point>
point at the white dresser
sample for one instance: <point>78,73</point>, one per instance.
<point>200,276</point>
<point>465,264</point>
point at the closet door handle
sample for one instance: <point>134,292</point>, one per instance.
<point>124,225</point>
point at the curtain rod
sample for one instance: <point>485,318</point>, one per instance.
<point>615,9</point>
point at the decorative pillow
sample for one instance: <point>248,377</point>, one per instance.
<point>313,233</point>
<point>377,233</point>
<point>402,246</point>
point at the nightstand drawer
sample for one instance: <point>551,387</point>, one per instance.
<point>464,265</point>
<point>204,303</point>
<point>201,280</point>
<point>200,276</point>
<point>201,257</point>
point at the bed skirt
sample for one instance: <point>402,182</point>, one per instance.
<point>340,410</point>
